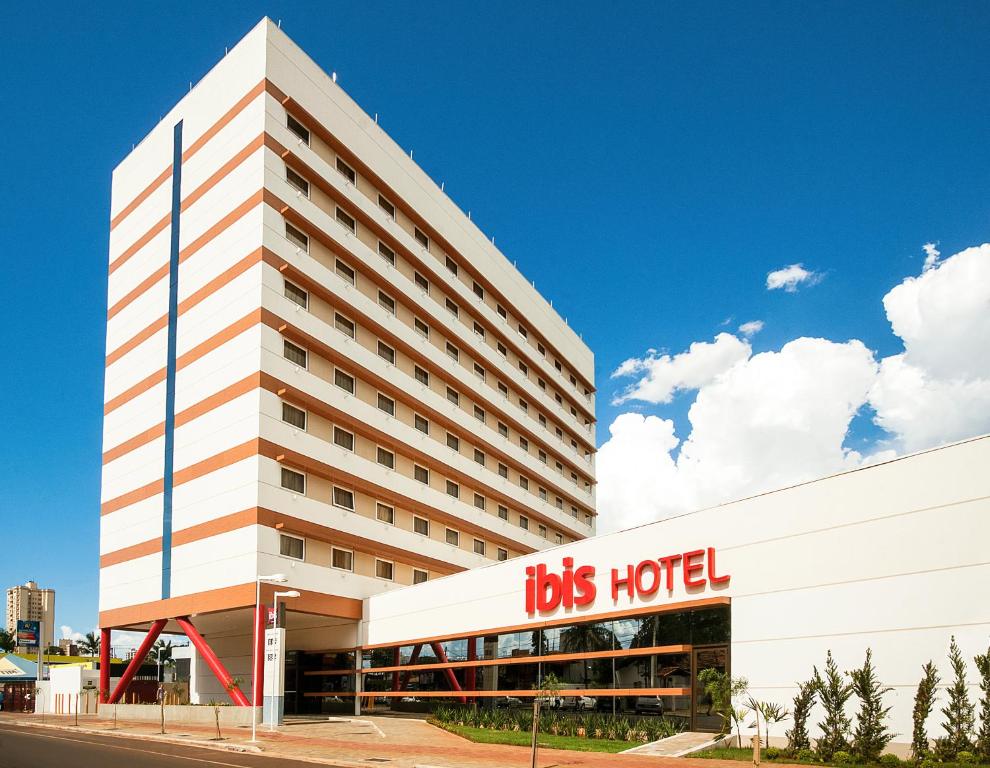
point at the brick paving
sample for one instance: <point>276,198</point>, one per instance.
<point>387,741</point>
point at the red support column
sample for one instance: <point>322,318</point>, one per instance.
<point>448,672</point>
<point>139,656</point>
<point>395,663</point>
<point>104,692</point>
<point>258,674</point>
<point>412,660</point>
<point>216,666</point>
<point>471,673</point>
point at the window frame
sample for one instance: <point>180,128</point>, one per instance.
<point>303,411</point>
<point>305,363</point>
<point>333,498</point>
<point>346,551</point>
<point>295,130</point>
<point>291,537</point>
<point>391,566</point>
<point>282,474</point>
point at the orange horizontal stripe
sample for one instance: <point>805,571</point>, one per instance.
<point>133,552</point>
<point>132,497</point>
<point>141,242</point>
<point>137,290</point>
<point>221,225</point>
<point>135,341</point>
<point>142,196</point>
<point>253,146</point>
<point>152,433</point>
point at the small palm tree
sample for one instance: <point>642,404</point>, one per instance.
<point>90,645</point>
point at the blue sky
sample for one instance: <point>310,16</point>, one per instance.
<point>647,167</point>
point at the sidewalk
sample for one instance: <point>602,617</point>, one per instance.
<point>402,743</point>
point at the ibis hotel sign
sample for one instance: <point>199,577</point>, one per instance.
<point>576,586</point>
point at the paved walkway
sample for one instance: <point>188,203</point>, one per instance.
<point>675,746</point>
<point>388,741</point>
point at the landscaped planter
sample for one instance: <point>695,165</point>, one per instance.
<point>183,713</point>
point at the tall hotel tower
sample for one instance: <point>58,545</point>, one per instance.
<point>316,365</point>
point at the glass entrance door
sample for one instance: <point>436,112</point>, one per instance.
<point>704,717</point>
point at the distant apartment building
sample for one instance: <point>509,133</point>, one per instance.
<point>28,602</point>
<point>316,364</point>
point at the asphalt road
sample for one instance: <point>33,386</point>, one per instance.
<point>29,747</point>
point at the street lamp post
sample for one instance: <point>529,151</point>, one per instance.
<point>281,659</point>
<point>275,578</point>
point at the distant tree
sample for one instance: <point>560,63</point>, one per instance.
<point>959,711</point>
<point>722,689</point>
<point>870,736</point>
<point>924,700</point>
<point>53,650</point>
<point>583,638</point>
<point>6,641</point>
<point>983,734</point>
<point>833,692</point>
<point>797,737</point>
<point>90,645</point>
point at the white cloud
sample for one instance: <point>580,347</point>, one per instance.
<point>751,328</point>
<point>769,420</point>
<point>663,376</point>
<point>931,256</point>
<point>68,634</point>
<point>938,389</point>
<point>790,277</point>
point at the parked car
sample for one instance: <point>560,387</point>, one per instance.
<point>508,701</point>
<point>578,703</point>
<point>649,705</point>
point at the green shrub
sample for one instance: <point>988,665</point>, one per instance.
<point>841,757</point>
<point>772,753</point>
<point>965,757</point>
<point>890,760</point>
<point>929,762</point>
<point>806,755</point>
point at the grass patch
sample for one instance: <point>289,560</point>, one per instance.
<point>745,754</point>
<point>548,740</point>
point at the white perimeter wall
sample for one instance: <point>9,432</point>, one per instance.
<point>892,557</point>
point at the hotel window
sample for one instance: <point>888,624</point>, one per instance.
<point>346,171</point>
<point>451,265</point>
<point>387,302</point>
<point>421,526</point>
<point>542,456</point>
<point>386,253</point>
<point>451,307</point>
<point>479,457</point>
<point>386,206</point>
<point>422,376</point>
<point>503,470</point>
<point>295,293</point>
<point>574,478</point>
<point>452,537</point>
<point>421,328</point>
<point>421,424</point>
<point>587,519</point>
<point>541,384</point>
<point>453,352</point>
<point>559,433</point>
<point>503,512</point>
<point>524,405</point>
<point>541,349</point>
<point>479,501</point>
<point>344,271</point>
<point>293,354</point>
<point>543,421</point>
<point>479,413</point>
<point>293,481</point>
<point>524,522</point>
<point>453,489</point>
<point>386,458</point>
<point>296,237</point>
<point>479,330</point>
<point>296,180</point>
<point>574,382</point>
<point>524,368</point>
<point>421,238</point>
<point>386,352</point>
<point>574,512</point>
<point>559,539</point>
<point>503,430</point>
<point>501,310</point>
<point>386,404</point>
<point>478,291</point>
<point>385,513</point>
<point>543,494</point>
<point>501,349</point>
<point>422,282</point>
<point>522,332</point>
<point>453,442</point>
<point>502,554</point>
<point>503,389</point>
<point>574,414</point>
<point>558,502</point>
<point>294,416</point>
<point>453,396</point>
<point>422,474</point>
<point>343,438</point>
<point>384,569</point>
<point>543,531</point>
<point>343,498</point>
<point>343,380</point>
<point>524,482</point>
<point>344,325</point>
<point>297,128</point>
<point>559,367</point>
<point>342,559</point>
<point>479,547</point>
<point>345,220</point>
<point>420,576</point>
<point>524,443</point>
<point>291,546</point>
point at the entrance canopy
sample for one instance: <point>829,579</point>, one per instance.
<point>15,669</point>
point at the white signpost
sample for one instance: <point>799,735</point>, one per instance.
<point>274,688</point>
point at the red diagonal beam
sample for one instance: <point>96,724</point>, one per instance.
<point>412,660</point>
<point>448,672</point>
<point>212,661</point>
<point>139,656</point>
